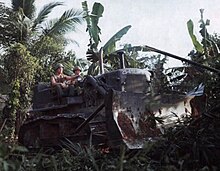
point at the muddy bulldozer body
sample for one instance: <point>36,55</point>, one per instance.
<point>111,109</point>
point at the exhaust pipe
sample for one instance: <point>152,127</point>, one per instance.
<point>101,65</point>
<point>122,59</point>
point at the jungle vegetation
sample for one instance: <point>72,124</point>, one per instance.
<point>32,43</point>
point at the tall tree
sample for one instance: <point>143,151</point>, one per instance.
<point>36,26</point>
<point>43,37</point>
<point>9,33</point>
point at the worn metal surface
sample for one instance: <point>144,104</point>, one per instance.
<point>47,131</point>
<point>134,115</point>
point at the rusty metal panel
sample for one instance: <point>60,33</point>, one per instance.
<point>49,130</point>
<point>128,111</point>
<point>134,115</point>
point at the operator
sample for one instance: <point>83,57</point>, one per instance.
<point>76,80</point>
<point>59,81</point>
<point>76,75</point>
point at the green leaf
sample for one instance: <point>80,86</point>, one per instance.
<point>97,12</point>
<point>196,44</point>
<point>97,9</point>
<point>215,48</point>
<point>21,149</point>
<point>43,14</point>
<point>5,165</point>
<point>54,163</point>
<point>92,23</point>
<point>109,47</point>
<point>86,13</point>
<point>66,23</point>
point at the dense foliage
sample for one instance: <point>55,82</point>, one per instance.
<point>32,47</point>
<point>21,68</point>
<point>207,53</point>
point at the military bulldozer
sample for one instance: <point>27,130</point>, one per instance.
<point>113,108</point>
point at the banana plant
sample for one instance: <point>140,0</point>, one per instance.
<point>93,53</point>
<point>92,23</point>
<point>208,47</point>
<point>109,47</point>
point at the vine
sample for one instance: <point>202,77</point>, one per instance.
<point>21,67</point>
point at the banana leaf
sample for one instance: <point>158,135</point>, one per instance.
<point>196,44</point>
<point>109,47</point>
<point>92,22</point>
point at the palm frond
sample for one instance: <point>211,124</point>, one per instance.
<point>43,14</point>
<point>67,22</point>
<point>69,40</point>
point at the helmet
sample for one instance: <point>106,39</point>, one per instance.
<point>59,65</point>
<point>76,68</point>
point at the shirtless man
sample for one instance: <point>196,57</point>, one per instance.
<point>59,81</point>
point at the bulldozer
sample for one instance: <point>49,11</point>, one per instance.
<point>116,108</point>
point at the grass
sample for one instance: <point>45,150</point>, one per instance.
<point>191,146</point>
